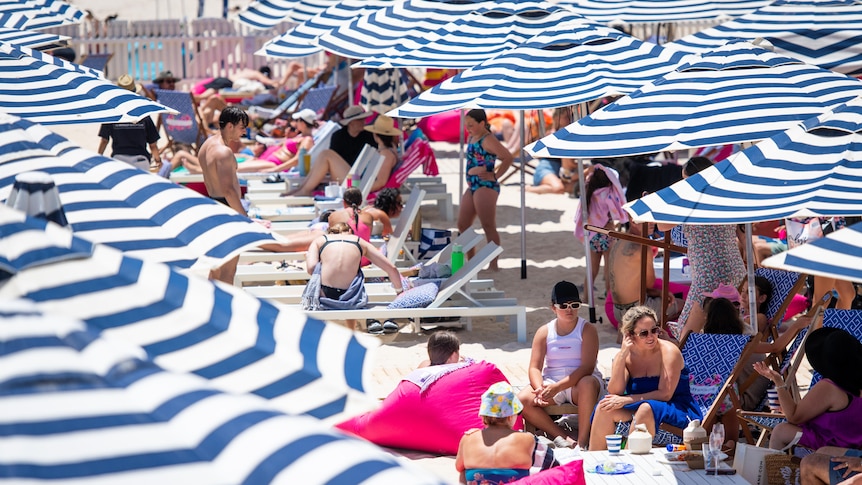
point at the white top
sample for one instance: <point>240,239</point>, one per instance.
<point>563,354</point>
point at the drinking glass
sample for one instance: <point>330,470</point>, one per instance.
<point>716,439</point>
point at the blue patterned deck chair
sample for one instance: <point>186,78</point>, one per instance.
<point>849,320</point>
<point>98,62</point>
<point>186,126</point>
<point>317,99</point>
<point>714,362</point>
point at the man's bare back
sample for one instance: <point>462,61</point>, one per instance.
<point>624,271</point>
<point>218,165</point>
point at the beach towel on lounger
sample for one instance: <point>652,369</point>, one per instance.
<point>355,296</point>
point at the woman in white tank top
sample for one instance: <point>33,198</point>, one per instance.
<point>563,367</point>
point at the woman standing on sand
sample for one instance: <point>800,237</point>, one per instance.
<point>483,189</point>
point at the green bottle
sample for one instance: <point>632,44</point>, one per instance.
<point>457,258</point>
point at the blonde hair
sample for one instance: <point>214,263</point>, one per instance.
<point>632,316</point>
<point>339,228</point>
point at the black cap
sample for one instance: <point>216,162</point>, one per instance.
<point>565,292</point>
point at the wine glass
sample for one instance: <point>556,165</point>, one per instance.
<point>716,440</point>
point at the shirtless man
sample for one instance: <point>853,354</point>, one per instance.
<point>624,265</point>
<point>218,165</point>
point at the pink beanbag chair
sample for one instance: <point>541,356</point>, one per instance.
<point>442,127</point>
<point>572,473</point>
<point>434,420</point>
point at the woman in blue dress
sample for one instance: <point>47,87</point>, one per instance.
<point>649,381</point>
<point>480,198</point>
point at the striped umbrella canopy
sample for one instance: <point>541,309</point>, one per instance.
<point>737,93</point>
<point>240,343</point>
<point>838,255</point>
<point>79,407</point>
<point>404,22</point>
<point>265,14</point>
<point>570,64</point>
<point>477,36</point>
<point>35,194</point>
<point>812,169</point>
<point>661,11</point>
<point>113,203</point>
<point>29,38</point>
<point>42,14</point>
<point>49,91</point>
<point>297,42</point>
<point>824,33</point>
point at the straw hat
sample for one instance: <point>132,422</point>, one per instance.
<point>500,401</point>
<point>128,82</point>
<point>354,113</point>
<point>383,125</point>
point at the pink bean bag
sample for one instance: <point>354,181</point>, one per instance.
<point>572,473</point>
<point>434,420</point>
<point>442,127</point>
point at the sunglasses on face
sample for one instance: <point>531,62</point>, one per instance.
<point>565,306</point>
<point>645,333</point>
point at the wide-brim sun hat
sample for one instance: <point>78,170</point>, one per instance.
<point>354,113</point>
<point>836,354</point>
<point>165,76</point>
<point>383,125</point>
<point>500,401</point>
<point>128,82</point>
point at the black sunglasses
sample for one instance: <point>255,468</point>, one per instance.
<point>565,306</point>
<point>645,333</point>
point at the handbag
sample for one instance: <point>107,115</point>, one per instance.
<point>781,469</point>
<point>799,233</point>
<point>749,462</point>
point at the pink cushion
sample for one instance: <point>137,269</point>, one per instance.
<point>442,127</point>
<point>434,421</point>
<point>199,87</point>
<point>572,473</point>
<point>799,304</point>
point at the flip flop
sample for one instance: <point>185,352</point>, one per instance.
<point>375,327</point>
<point>390,327</point>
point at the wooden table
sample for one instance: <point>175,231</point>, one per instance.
<point>649,471</point>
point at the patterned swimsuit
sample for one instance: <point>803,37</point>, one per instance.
<point>477,156</point>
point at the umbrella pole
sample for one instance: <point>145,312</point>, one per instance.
<point>588,257</point>
<point>523,202</point>
<point>461,142</point>
<point>749,262</point>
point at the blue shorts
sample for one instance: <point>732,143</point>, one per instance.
<point>837,476</point>
<point>546,167</point>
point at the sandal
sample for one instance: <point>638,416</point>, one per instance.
<point>390,327</point>
<point>274,179</point>
<point>375,327</point>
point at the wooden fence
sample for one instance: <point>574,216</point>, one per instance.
<point>199,49</point>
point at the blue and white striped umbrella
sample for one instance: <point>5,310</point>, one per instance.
<point>824,33</point>
<point>49,91</point>
<point>78,407</point>
<point>264,14</point>
<point>404,22</point>
<point>186,323</point>
<point>814,168</point>
<point>566,65</point>
<point>297,41</point>
<point>29,38</point>
<point>477,36</point>
<point>35,194</point>
<point>838,255</point>
<point>738,93</point>
<point>661,11</point>
<point>113,203</point>
<point>42,14</point>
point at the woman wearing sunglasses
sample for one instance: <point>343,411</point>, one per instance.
<point>649,381</point>
<point>563,367</point>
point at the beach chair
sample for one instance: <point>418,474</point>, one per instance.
<point>246,273</point>
<point>849,320</point>
<point>98,62</point>
<point>317,99</point>
<point>419,153</point>
<point>185,127</point>
<point>440,306</point>
<point>714,362</point>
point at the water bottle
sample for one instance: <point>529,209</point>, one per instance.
<point>686,267</point>
<point>457,258</point>
<point>303,170</point>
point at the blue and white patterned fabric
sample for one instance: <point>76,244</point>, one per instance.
<point>838,255</point>
<point>418,297</point>
<point>433,241</point>
<point>710,359</point>
<point>782,283</point>
<point>79,406</point>
<point>35,194</point>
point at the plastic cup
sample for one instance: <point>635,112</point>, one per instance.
<point>614,442</point>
